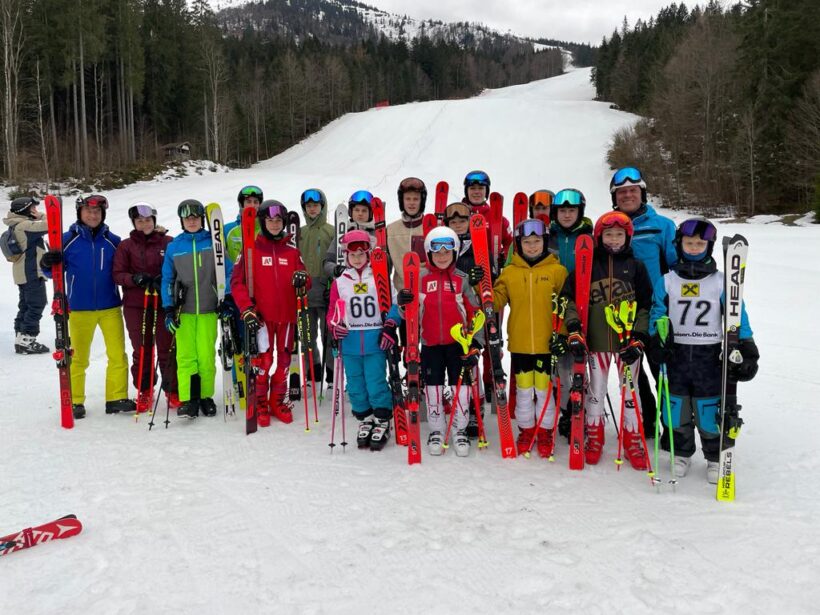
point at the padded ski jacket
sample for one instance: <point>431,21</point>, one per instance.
<point>189,265</point>
<point>140,253</point>
<point>654,242</point>
<point>274,297</point>
<point>528,290</point>
<point>29,234</point>
<point>562,241</point>
<point>315,238</point>
<point>402,236</point>
<point>445,299</point>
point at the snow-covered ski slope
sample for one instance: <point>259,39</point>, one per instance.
<point>199,518</point>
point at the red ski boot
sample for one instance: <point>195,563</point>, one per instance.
<point>634,451</point>
<point>525,436</point>
<point>143,401</point>
<point>594,443</point>
<point>263,418</point>
<point>543,442</point>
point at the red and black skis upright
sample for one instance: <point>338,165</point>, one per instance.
<point>442,196</point>
<point>583,275</point>
<point>64,527</point>
<point>251,349</point>
<point>478,236</point>
<point>379,222</point>
<point>521,209</point>
<point>413,357</point>
<point>496,223</point>
<point>59,309</point>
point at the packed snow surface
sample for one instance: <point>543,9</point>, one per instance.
<point>200,518</point>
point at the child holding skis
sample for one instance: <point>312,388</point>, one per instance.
<point>616,276</point>
<point>527,284</point>
<point>189,299</point>
<point>363,340</point>
<point>278,275</point>
<point>446,298</point>
<point>691,295</point>
<point>138,269</point>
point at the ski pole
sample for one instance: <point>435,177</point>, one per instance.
<point>141,361</point>
<point>662,326</point>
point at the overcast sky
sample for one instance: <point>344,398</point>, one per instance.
<point>582,21</point>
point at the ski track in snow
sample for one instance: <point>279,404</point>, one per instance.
<point>199,518</point>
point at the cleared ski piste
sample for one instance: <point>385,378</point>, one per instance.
<point>200,518</point>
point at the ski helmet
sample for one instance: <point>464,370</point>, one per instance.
<point>23,204</point>
<point>627,176</point>
<point>456,210</point>
<point>528,228</point>
<point>249,191</point>
<point>360,197</point>
<point>696,226</point>
<point>313,195</point>
<point>142,210</point>
<point>568,197</point>
<point>412,184</point>
<point>613,219</point>
<point>441,238</point>
<point>190,208</point>
<point>540,197</point>
<point>356,241</point>
<point>270,209</point>
<point>92,200</point>
<point>477,178</point>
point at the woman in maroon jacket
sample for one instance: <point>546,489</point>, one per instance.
<point>138,269</point>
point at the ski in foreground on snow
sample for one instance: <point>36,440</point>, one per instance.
<point>64,527</point>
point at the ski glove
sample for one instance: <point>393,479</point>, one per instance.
<point>142,280</point>
<point>338,270</point>
<point>404,297</point>
<point>631,352</point>
<point>658,351</point>
<point>475,275</point>
<point>251,319</point>
<point>746,370</point>
<point>558,345</point>
<point>51,258</point>
<point>470,360</point>
<point>388,338</point>
<point>156,283</point>
<point>339,330</point>
<point>577,346</point>
<point>171,321</point>
<point>299,279</point>
<point>223,308</point>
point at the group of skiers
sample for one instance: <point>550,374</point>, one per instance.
<point>663,273</point>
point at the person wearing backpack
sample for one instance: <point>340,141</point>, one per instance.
<point>22,244</point>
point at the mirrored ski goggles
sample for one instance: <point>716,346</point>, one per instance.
<point>411,184</point>
<point>698,228</point>
<point>361,197</point>
<point>274,211</point>
<point>312,196</point>
<point>457,211</point>
<point>541,198</point>
<point>568,198</point>
<point>477,177</point>
<point>190,209</point>
<point>531,227</point>
<point>627,174</point>
<point>93,200</point>
<point>442,243</point>
<point>358,247</point>
<point>251,191</point>
<point>141,210</point>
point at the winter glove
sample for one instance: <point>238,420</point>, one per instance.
<point>299,280</point>
<point>171,320</point>
<point>475,275</point>
<point>746,370</point>
<point>658,351</point>
<point>339,331</point>
<point>143,280</point>
<point>631,352</point>
<point>156,283</point>
<point>388,338</point>
<point>338,270</point>
<point>223,308</point>
<point>51,258</point>
<point>251,319</point>
<point>577,346</point>
<point>404,297</point>
<point>470,360</point>
<point>558,345</point>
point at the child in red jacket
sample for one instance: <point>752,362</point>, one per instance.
<point>278,274</point>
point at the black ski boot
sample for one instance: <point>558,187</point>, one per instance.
<point>28,344</point>
<point>189,408</point>
<point>207,406</point>
<point>120,405</point>
<point>380,435</point>
<point>78,410</point>
<point>365,429</point>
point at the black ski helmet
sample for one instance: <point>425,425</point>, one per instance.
<point>568,197</point>
<point>313,195</point>
<point>272,209</point>
<point>412,184</point>
<point>696,226</point>
<point>249,191</point>
<point>92,200</point>
<point>360,197</point>
<point>477,178</point>
<point>23,204</point>
<point>527,228</point>
<point>190,208</point>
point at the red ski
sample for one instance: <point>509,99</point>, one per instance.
<point>59,309</point>
<point>478,235</point>
<point>428,223</point>
<point>411,316</point>
<point>379,222</point>
<point>521,208</point>
<point>496,222</point>
<point>583,275</point>
<point>251,349</point>
<point>442,196</point>
<point>64,527</point>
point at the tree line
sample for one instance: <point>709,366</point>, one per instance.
<point>90,86</point>
<point>732,104</point>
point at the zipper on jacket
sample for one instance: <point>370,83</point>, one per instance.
<point>532,317</point>
<point>196,275</point>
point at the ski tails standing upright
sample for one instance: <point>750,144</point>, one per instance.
<point>413,358</point>
<point>583,276</point>
<point>59,309</point>
<point>478,235</point>
<point>735,253</point>
<point>251,349</point>
<point>442,196</point>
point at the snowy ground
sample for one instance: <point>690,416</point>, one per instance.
<point>199,518</point>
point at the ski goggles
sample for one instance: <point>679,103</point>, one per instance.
<point>274,211</point>
<point>312,196</point>
<point>457,211</point>
<point>568,198</point>
<point>411,184</point>
<point>614,219</point>
<point>141,210</point>
<point>698,228</point>
<point>93,200</point>
<point>479,178</point>
<point>541,198</point>
<point>191,209</point>
<point>358,247</point>
<point>361,197</point>
<point>531,227</point>
<point>627,174</point>
<point>251,191</point>
<point>442,243</point>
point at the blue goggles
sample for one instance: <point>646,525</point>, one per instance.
<point>568,198</point>
<point>627,174</point>
<point>477,178</point>
<point>442,243</point>
<point>312,196</point>
<point>698,228</point>
<point>361,197</point>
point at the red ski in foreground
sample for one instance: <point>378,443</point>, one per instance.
<point>64,527</point>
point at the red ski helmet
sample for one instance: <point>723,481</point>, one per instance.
<point>613,219</point>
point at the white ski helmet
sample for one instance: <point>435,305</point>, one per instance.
<point>441,238</point>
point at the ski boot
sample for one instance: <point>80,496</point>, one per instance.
<point>263,418</point>
<point>525,437</point>
<point>173,400</point>
<point>544,442</point>
<point>634,451</point>
<point>380,435</point>
<point>283,411</point>
<point>144,401</point>
<point>712,472</point>
<point>363,434</point>
<point>435,443</point>
<point>594,443</point>
<point>207,406</point>
<point>120,405</point>
<point>461,443</point>
<point>189,408</point>
<point>682,466</point>
<point>28,344</point>
<point>78,410</point>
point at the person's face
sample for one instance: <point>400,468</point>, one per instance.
<point>567,216</point>
<point>614,239</point>
<point>532,246</point>
<point>693,245</point>
<point>251,201</point>
<point>540,210</point>
<point>274,225</point>
<point>144,225</point>
<point>412,203</point>
<point>458,224</point>
<point>476,194</point>
<point>91,216</point>
<point>443,258</point>
<point>313,209</point>
<point>628,199</point>
<point>360,213</point>
<point>357,259</point>
<point>192,224</point>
